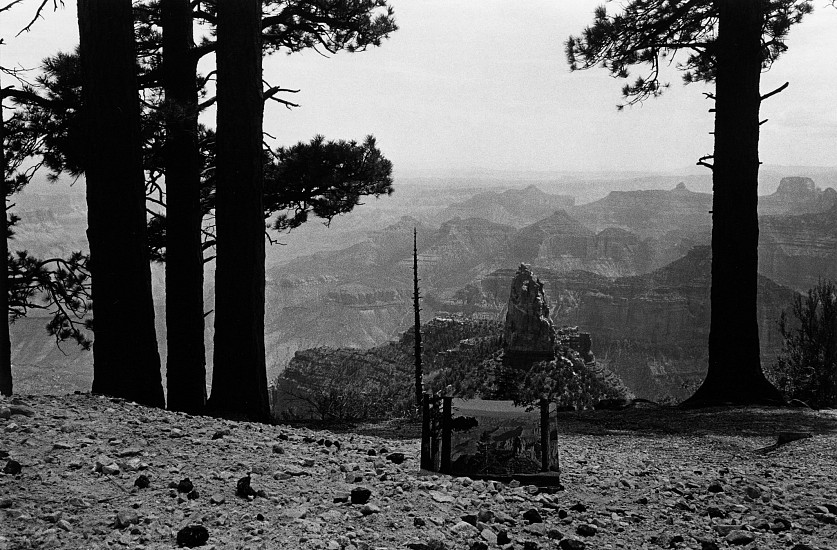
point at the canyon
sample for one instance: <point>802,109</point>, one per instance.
<point>629,267</point>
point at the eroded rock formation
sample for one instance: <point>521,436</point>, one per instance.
<point>529,330</point>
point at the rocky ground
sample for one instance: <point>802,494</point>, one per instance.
<point>657,478</point>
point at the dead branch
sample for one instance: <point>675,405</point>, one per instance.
<point>776,91</point>
<point>702,161</point>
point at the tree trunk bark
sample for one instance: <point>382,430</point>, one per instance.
<point>5,343</point>
<point>735,374</point>
<point>186,359</point>
<point>239,381</point>
<point>417,324</point>
<point>126,362</point>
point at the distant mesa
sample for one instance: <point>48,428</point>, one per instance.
<point>515,207</point>
<point>798,186</point>
<point>797,195</point>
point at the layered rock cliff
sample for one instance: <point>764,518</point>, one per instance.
<point>798,250</point>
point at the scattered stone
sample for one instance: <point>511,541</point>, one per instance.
<point>555,534</point>
<point>192,536</point>
<point>715,487</point>
<point>360,495</point>
<point>184,486</point>
<point>443,498</point>
<point>5,413</point>
<point>739,537</point>
<point>243,489</point>
<point>12,467</point>
<point>463,527</point>
<point>586,530</point>
<point>485,516</point>
<point>478,545</point>
<point>571,544</point>
<point>129,452</point>
<point>396,458</point>
<point>6,502</point>
<point>668,540</point>
<point>64,525</point>
<point>709,545</point>
<point>578,507</point>
<point>419,522</point>
<point>126,518</point>
<point>538,529</point>
<point>368,509</point>
<point>779,524</point>
<point>752,492</point>
<point>111,469</point>
<point>22,410</point>
<point>277,449</point>
<point>532,516</point>
<point>715,512</point>
<point>432,544</point>
<point>530,545</point>
<point>489,536</point>
<point>470,518</point>
<point>503,538</point>
<point>372,452</point>
<point>142,481</point>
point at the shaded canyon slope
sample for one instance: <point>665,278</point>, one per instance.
<point>798,250</point>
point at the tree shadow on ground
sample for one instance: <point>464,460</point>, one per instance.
<point>726,421</point>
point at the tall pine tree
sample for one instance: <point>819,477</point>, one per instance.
<point>126,362</point>
<point>729,43</point>
<point>186,358</point>
<point>6,385</point>
<point>239,378</point>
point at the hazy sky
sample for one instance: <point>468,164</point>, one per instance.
<point>483,84</point>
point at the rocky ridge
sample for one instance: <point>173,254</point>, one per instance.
<point>91,472</point>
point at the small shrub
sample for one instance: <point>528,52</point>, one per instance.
<point>807,368</point>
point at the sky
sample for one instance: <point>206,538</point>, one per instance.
<point>483,85</point>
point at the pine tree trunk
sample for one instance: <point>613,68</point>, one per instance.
<point>186,359</point>
<point>126,362</point>
<point>5,343</point>
<point>735,374</point>
<point>239,380</point>
<point>417,325</point>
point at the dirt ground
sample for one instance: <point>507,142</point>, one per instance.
<point>638,478</point>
